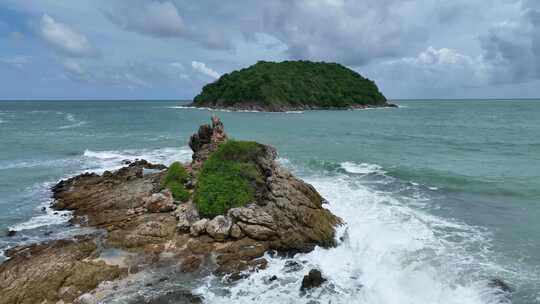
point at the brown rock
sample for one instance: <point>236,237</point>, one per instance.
<point>206,140</point>
<point>219,227</point>
<point>236,232</point>
<point>186,214</point>
<point>199,227</point>
<point>55,271</point>
<point>257,232</point>
<point>160,202</point>
<point>191,263</point>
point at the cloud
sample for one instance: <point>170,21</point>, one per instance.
<point>162,20</point>
<point>66,39</point>
<point>17,61</point>
<point>203,69</point>
<point>512,48</point>
<point>349,32</point>
<point>130,75</point>
<point>153,18</point>
<point>435,68</point>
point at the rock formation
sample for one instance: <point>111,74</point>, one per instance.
<point>312,280</point>
<point>138,216</point>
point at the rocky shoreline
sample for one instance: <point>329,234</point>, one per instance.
<point>258,107</point>
<point>134,214</point>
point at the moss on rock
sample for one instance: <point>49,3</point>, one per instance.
<point>175,179</point>
<point>228,178</point>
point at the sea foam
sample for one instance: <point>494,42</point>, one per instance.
<point>389,253</point>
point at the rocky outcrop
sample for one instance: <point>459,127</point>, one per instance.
<point>137,216</point>
<point>206,140</point>
<point>50,272</point>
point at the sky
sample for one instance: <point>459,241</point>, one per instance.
<point>155,49</point>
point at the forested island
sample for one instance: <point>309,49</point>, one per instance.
<point>291,85</point>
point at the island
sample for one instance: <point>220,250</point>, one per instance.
<point>149,224</point>
<point>291,86</point>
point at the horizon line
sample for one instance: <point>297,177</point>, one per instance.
<point>188,100</point>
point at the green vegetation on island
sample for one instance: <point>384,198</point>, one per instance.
<point>291,85</point>
<point>174,180</point>
<point>228,178</point>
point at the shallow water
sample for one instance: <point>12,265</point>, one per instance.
<point>438,197</point>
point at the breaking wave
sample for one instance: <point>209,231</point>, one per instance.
<point>390,251</point>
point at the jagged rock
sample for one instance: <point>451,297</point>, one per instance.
<point>11,233</point>
<point>186,214</point>
<point>219,227</point>
<point>252,214</point>
<point>236,232</point>
<point>199,227</point>
<point>257,232</point>
<point>312,280</point>
<point>160,202</point>
<point>206,140</point>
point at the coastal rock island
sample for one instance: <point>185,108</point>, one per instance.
<point>217,215</point>
<point>291,86</point>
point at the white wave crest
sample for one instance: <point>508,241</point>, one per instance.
<point>227,110</point>
<point>50,217</point>
<point>75,123</point>
<point>362,168</point>
<point>390,253</point>
<point>99,161</point>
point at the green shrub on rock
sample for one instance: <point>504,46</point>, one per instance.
<point>228,178</point>
<point>174,181</point>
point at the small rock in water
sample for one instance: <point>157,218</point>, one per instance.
<point>43,209</point>
<point>292,266</point>
<point>312,280</point>
<point>500,284</point>
<point>272,278</point>
<point>11,232</point>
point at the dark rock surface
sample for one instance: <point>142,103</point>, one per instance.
<point>312,280</point>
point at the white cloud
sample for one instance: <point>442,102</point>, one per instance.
<point>65,38</point>
<point>202,68</point>
<point>154,18</point>
<point>163,20</point>
<point>435,68</point>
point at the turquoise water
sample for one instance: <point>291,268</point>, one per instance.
<point>439,196</point>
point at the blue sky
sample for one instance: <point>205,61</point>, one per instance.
<point>153,49</point>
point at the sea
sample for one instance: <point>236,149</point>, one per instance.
<point>439,197</point>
